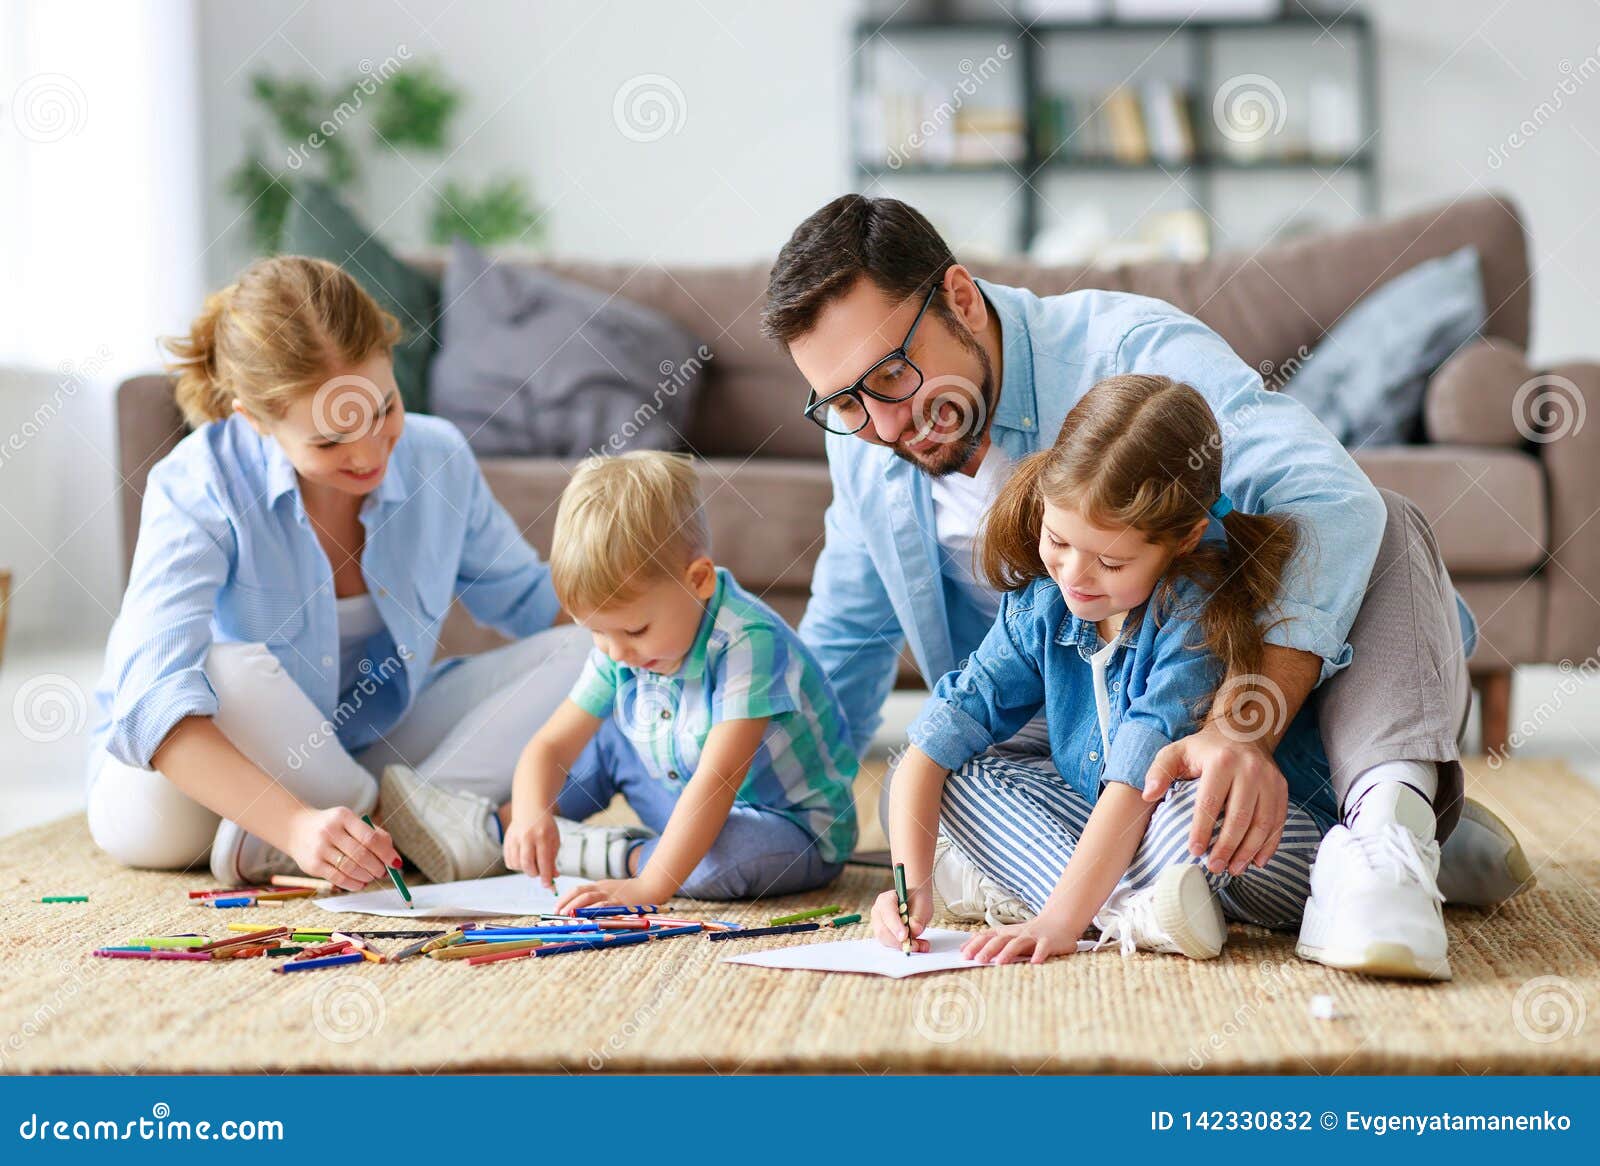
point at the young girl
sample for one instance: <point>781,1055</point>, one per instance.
<point>276,646</point>
<point>1132,588</point>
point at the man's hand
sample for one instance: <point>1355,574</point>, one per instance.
<point>1234,774</point>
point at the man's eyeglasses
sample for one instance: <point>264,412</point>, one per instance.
<point>893,378</point>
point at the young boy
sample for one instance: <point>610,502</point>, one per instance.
<point>698,704</point>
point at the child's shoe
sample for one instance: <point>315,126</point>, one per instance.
<point>447,834</point>
<point>596,852</point>
<point>1178,914</point>
<point>963,892</point>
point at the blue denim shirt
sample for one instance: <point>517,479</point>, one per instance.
<point>878,584</point>
<point>226,553</point>
<point>1158,681</point>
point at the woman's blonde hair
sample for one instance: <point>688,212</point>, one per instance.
<point>278,331</point>
<point>625,521</point>
<point>1145,452</point>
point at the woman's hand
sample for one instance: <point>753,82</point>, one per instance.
<point>531,845</point>
<point>887,925</point>
<point>1036,941</point>
<point>635,892</point>
<point>338,846</point>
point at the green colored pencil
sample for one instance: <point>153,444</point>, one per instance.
<point>802,916</point>
<point>399,883</point>
<point>65,899</point>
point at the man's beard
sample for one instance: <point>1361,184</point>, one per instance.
<point>957,450</point>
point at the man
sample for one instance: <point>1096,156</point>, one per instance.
<point>932,384</point>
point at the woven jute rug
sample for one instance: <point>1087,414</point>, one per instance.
<point>1526,977</point>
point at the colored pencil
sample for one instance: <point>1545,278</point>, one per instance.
<point>844,920</point>
<point>755,932</point>
<point>410,949</point>
<point>226,892</point>
<point>553,929</point>
<point>302,881</point>
<point>245,940</point>
<point>603,912</point>
<point>905,905</point>
<point>170,941</point>
<point>444,940</point>
<point>466,951</point>
<point>330,961</point>
<point>625,940</point>
<point>802,916</point>
<point>394,875</point>
<point>113,953</point>
<point>65,899</point>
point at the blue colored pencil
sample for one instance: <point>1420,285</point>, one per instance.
<point>626,939</point>
<point>755,932</point>
<point>327,961</point>
<point>602,912</point>
<point>533,930</point>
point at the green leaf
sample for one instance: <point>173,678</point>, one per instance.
<point>265,196</point>
<point>414,108</point>
<point>502,210</point>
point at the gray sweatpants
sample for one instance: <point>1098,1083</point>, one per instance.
<point>1405,695</point>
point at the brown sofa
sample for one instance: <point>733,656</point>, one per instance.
<point>1511,513</point>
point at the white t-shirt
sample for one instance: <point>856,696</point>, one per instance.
<point>959,504</point>
<point>359,621</point>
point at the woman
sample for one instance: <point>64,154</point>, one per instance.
<point>275,650</point>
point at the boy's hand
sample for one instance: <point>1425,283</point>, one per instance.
<point>1036,941</point>
<point>635,892</point>
<point>887,925</point>
<point>531,845</point>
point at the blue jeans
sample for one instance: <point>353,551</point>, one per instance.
<point>758,853</point>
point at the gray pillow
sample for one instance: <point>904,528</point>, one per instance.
<point>532,364</point>
<point>1365,381</point>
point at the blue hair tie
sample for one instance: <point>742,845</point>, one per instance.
<point>1222,507</point>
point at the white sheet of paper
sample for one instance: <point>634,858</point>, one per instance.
<point>512,894</point>
<point>870,956</point>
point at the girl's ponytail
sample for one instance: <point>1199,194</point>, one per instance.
<point>200,392</point>
<point>1241,576</point>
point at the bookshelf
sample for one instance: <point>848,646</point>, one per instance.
<point>1029,157</point>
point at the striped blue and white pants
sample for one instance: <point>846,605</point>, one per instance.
<point>1018,821</point>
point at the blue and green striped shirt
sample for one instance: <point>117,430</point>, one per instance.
<point>746,662</point>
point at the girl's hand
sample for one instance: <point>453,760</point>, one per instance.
<point>634,892</point>
<point>531,845</point>
<point>338,846</point>
<point>887,925</point>
<point>1036,941</point>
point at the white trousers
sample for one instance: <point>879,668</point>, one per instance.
<point>465,731</point>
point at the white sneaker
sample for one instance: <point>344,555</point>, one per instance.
<point>1177,914</point>
<point>1375,903</point>
<point>240,859</point>
<point>963,892</point>
<point>1482,863</point>
<point>447,834</point>
<point>596,852</point>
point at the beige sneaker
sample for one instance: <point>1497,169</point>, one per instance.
<point>1482,863</point>
<point>1177,914</point>
<point>963,892</point>
<point>447,834</point>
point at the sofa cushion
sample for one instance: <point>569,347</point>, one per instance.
<point>1487,506</point>
<point>1471,400</point>
<point>765,516</point>
<point>1366,379</point>
<point>533,364</point>
<point>321,226</point>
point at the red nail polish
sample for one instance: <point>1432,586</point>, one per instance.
<point>397,864</point>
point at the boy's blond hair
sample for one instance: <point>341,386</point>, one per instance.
<point>625,521</point>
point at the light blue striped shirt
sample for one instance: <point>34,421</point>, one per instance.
<point>227,554</point>
<point>745,663</point>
